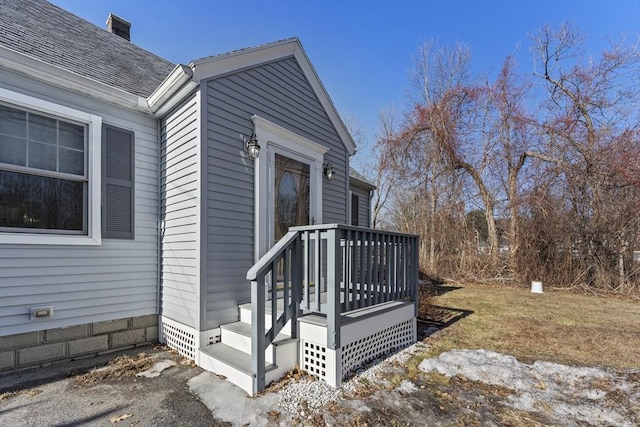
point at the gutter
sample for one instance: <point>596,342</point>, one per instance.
<point>29,66</point>
<point>172,90</point>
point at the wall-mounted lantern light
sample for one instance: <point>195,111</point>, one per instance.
<point>329,171</point>
<point>251,146</point>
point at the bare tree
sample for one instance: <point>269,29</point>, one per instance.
<point>418,151</point>
<point>513,131</point>
<point>592,111</point>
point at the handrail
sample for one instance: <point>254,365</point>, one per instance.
<point>263,263</point>
<point>283,258</point>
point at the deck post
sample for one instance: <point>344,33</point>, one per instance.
<point>333,289</point>
<point>296,284</point>
<point>258,333</point>
<point>415,271</point>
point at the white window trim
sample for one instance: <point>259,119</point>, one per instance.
<point>274,139</point>
<point>94,134</point>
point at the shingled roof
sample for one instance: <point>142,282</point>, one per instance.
<point>44,31</point>
<point>360,179</point>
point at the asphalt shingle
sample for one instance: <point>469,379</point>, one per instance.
<point>44,31</point>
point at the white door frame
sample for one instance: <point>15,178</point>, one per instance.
<point>274,139</point>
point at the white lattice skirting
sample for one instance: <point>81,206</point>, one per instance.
<point>362,341</point>
<point>185,339</point>
<point>365,350</point>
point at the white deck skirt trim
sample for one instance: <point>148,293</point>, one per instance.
<point>275,139</point>
<point>370,325</point>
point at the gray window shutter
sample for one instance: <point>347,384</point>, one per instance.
<point>355,209</point>
<point>117,183</point>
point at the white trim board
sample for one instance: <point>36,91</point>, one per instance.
<point>274,139</point>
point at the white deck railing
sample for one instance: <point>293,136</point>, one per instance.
<point>328,269</point>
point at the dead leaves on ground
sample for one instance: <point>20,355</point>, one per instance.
<point>120,367</point>
<point>296,374</point>
<point>10,395</point>
<point>119,418</point>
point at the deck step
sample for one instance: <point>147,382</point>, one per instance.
<point>245,312</point>
<point>234,364</point>
<point>244,329</point>
<point>234,358</point>
<point>238,336</point>
<point>231,363</point>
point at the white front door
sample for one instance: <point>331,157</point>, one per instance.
<point>288,183</point>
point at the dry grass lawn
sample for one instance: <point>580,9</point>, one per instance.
<point>556,326</point>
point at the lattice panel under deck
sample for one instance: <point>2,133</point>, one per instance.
<point>364,350</point>
<point>314,359</point>
<point>179,338</point>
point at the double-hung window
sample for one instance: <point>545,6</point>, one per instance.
<point>49,172</point>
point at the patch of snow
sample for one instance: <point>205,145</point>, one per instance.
<point>156,369</point>
<point>572,394</point>
<point>407,387</point>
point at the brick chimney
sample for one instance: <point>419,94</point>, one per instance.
<point>119,27</point>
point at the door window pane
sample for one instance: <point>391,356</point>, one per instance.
<point>287,201</point>
<point>291,195</point>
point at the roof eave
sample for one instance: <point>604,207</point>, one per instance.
<point>45,72</point>
<point>362,184</point>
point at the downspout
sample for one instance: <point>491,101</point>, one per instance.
<point>159,245</point>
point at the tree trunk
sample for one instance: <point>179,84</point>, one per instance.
<point>514,222</point>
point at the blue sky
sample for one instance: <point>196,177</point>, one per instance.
<point>362,50</point>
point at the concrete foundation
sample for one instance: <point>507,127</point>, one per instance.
<point>42,348</point>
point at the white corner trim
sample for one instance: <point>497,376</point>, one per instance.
<point>94,124</point>
<point>57,76</point>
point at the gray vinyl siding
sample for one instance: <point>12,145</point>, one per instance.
<point>280,93</point>
<point>364,215</point>
<point>180,214</point>
<point>115,280</point>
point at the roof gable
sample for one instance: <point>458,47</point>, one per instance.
<point>213,66</point>
<point>41,30</point>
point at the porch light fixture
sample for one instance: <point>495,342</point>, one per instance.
<point>329,171</point>
<point>252,147</point>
